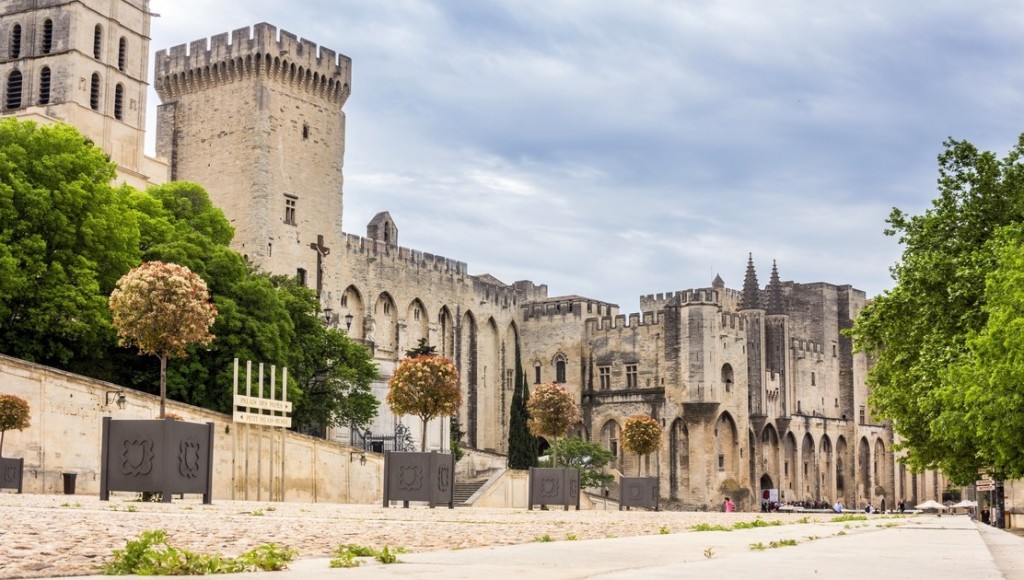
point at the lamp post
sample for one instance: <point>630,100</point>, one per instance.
<point>328,316</point>
<point>348,321</point>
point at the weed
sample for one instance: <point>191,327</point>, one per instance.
<point>840,533</point>
<point>151,554</point>
<point>664,530</point>
<point>849,518</point>
<point>256,512</point>
<point>709,553</point>
<point>71,505</point>
<point>705,527</point>
<point>812,538</point>
<point>544,538</point>
<point>571,537</point>
<point>804,520</point>
<point>132,508</point>
<point>781,543</point>
<point>345,560</point>
<point>759,546</point>
<point>757,523</point>
<point>386,557</point>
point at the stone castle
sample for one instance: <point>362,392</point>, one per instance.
<point>757,388</point>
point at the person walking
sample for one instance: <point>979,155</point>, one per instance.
<point>729,506</point>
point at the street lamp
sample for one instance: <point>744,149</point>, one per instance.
<point>328,316</point>
<point>348,321</point>
<point>118,397</point>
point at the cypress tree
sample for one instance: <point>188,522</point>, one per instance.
<point>522,445</point>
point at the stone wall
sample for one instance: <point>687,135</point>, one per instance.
<point>250,462</point>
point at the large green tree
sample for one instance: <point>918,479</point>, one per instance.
<point>918,332</point>
<point>66,236</point>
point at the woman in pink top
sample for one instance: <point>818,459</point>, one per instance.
<point>729,506</point>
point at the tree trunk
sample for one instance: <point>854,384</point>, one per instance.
<point>423,438</point>
<point>2,443</point>
<point>163,385</point>
<point>638,462</point>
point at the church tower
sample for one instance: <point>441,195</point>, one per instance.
<point>257,119</point>
<point>83,62</point>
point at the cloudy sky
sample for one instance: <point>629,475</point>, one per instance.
<point>613,149</point>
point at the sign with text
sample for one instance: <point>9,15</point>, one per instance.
<point>255,408</point>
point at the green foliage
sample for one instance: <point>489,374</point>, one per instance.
<point>588,457</point>
<point>14,414</point>
<point>455,434</point>
<point>346,554</point>
<point>523,446</point>
<point>849,518</point>
<point>781,543</point>
<point>706,527</point>
<point>66,235</point>
<point>552,413</point>
<point>664,530</point>
<point>544,538</point>
<point>385,556</point>
<point>758,546</point>
<point>151,555</point>
<point>756,523</point>
<point>571,537</point>
<point>709,553</point>
<point>926,335</point>
<point>423,348</point>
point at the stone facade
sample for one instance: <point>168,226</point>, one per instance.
<point>757,388</point>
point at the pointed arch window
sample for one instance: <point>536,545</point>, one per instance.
<point>44,86</point>
<point>15,47</point>
<point>47,43</point>
<point>97,42</point>
<point>560,369</point>
<point>12,96</point>
<point>94,92</point>
<point>122,54</point>
<point>119,102</point>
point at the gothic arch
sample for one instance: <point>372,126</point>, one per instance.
<point>560,363</point>
<point>385,324</point>
<point>489,389</point>
<point>727,377</point>
<point>679,460</point>
<point>727,446</point>
<point>842,469</point>
<point>826,460</point>
<point>610,433</point>
<point>468,371</point>
<point>789,466</point>
<point>771,453</point>
<point>446,330</point>
<point>352,305</point>
<point>417,325</point>
<point>808,470</point>
<point>881,470</point>
<point>864,469</point>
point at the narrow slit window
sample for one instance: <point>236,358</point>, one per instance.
<point>122,54</point>
<point>289,209</point>
<point>119,102</point>
<point>15,48</point>
<point>13,95</point>
<point>44,86</point>
<point>97,42</point>
<point>94,92</point>
<point>47,45</point>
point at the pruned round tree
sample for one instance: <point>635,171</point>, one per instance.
<point>553,412</point>
<point>14,414</point>
<point>641,435</point>
<point>425,386</point>
<point>162,309</point>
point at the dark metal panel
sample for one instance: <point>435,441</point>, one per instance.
<point>425,477</point>
<point>554,486</point>
<point>11,473</point>
<point>638,492</point>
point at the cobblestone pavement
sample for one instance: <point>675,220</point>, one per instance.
<point>58,535</point>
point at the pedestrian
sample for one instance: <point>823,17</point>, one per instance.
<point>838,508</point>
<point>729,506</point>
<point>902,505</point>
<point>882,508</point>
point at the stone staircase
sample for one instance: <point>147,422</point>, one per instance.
<point>465,489</point>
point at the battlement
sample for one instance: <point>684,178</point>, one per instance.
<point>650,319</point>
<point>807,348</point>
<point>575,306</point>
<point>732,320</point>
<point>257,51</point>
<point>359,245</point>
<point>683,297</point>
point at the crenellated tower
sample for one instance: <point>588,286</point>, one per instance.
<point>256,117</point>
<point>776,343</point>
<point>750,307</point>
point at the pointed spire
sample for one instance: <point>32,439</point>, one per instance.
<point>718,282</point>
<point>751,290</point>
<point>775,292</point>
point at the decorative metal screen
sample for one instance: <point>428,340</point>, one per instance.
<point>11,473</point>
<point>428,477</point>
<point>638,492</point>
<point>164,456</point>
<point>554,486</point>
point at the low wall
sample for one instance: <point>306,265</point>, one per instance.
<point>250,462</point>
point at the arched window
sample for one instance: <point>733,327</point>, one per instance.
<point>15,47</point>
<point>122,53</point>
<point>13,100</point>
<point>47,44</point>
<point>94,92</point>
<point>119,102</point>
<point>727,377</point>
<point>44,86</point>
<point>560,369</point>
<point>97,43</point>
